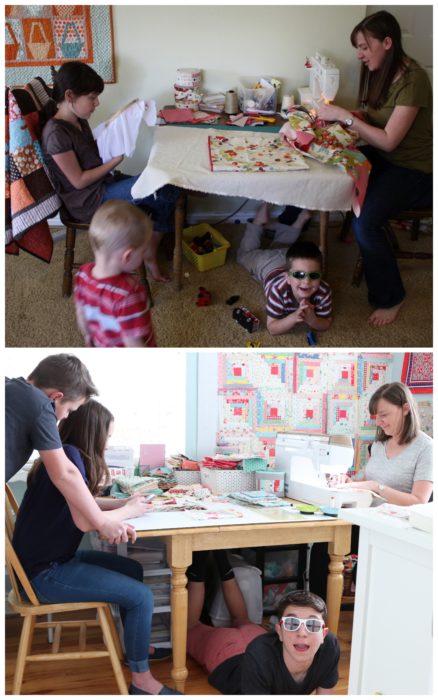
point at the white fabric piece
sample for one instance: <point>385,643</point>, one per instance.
<point>118,135</point>
<point>180,156</point>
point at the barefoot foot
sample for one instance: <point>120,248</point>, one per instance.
<point>383,317</point>
<point>155,273</point>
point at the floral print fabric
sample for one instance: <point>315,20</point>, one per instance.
<point>253,153</point>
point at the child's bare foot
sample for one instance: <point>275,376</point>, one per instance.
<point>262,216</point>
<point>155,273</point>
<point>383,317</point>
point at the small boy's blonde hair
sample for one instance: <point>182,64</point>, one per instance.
<point>117,225</point>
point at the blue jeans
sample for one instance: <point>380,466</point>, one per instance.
<point>160,205</point>
<point>109,578</point>
<point>390,190</point>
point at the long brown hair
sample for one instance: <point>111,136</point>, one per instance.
<point>398,394</point>
<point>374,85</point>
<point>87,429</point>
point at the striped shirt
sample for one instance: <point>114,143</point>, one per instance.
<point>114,308</point>
<point>280,300</point>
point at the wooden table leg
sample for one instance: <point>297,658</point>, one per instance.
<point>179,556</point>
<point>335,581</point>
<point>180,217</point>
<point>323,232</point>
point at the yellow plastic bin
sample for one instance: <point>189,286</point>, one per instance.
<point>209,260</point>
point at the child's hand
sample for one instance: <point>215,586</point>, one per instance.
<point>135,506</point>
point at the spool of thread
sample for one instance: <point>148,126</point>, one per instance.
<point>287,102</point>
<point>231,105</point>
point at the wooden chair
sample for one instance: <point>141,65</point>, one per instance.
<point>31,609</point>
<point>414,216</point>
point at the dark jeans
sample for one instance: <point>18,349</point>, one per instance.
<point>390,190</point>
<point>160,205</point>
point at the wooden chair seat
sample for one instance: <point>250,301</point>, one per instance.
<point>414,216</point>
<point>31,609</point>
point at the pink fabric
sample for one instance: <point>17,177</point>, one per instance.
<point>211,646</point>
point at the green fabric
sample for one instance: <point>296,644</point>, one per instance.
<point>412,89</point>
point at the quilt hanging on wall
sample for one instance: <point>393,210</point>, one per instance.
<point>38,37</point>
<point>417,372</point>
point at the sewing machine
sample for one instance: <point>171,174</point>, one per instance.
<point>323,81</point>
<point>309,461</point>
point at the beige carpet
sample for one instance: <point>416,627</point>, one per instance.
<point>38,316</point>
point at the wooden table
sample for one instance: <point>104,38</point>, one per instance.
<point>179,156</point>
<point>182,542</point>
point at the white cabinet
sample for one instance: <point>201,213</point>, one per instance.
<point>391,652</point>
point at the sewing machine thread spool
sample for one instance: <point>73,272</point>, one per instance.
<point>287,102</point>
<point>231,102</point>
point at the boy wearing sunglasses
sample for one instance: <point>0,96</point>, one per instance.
<point>291,279</point>
<point>301,656</point>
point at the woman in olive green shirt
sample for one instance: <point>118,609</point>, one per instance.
<point>396,124</point>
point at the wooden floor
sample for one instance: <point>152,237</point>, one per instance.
<point>95,677</point>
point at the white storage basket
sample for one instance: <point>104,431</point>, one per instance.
<point>223,481</point>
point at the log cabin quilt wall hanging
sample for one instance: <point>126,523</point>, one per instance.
<point>38,37</point>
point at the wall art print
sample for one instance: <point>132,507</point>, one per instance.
<point>417,372</point>
<point>38,37</point>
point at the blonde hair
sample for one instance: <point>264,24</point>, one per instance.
<point>117,225</point>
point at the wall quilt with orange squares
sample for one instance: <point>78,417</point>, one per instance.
<point>40,36</point>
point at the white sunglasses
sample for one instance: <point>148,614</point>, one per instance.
<point>293,624</point>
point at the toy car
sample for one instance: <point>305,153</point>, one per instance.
<point>246,319</point>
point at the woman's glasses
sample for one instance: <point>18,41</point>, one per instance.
<point>293,624</point>
<point>300,275</point>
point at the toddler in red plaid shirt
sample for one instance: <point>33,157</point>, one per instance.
<point>112,308</point>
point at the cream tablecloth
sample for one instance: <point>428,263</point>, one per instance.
<point>180,156</point>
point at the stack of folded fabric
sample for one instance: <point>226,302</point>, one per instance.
<point>133,485</point>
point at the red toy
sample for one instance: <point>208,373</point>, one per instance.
<point>204,297</point>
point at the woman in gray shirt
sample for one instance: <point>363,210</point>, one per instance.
<point>400,467</point>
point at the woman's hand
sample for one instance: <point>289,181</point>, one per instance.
<point>332,113</point>
<point>116,161</point>
<point>339,480</point>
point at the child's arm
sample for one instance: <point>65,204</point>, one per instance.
<point>318,323</point>
<point>279,326</point>
<point>325,691</point>
<point>69,164</point>
<point>84,509</point>
<point>82,324</point>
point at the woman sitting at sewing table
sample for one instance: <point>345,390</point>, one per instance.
<point>397,128</point>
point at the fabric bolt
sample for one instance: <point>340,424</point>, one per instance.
<point>414,463</point>
<point>46,541</point>
<point>180,156</point>
<point>30,424</point>
<point>114,308</point>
